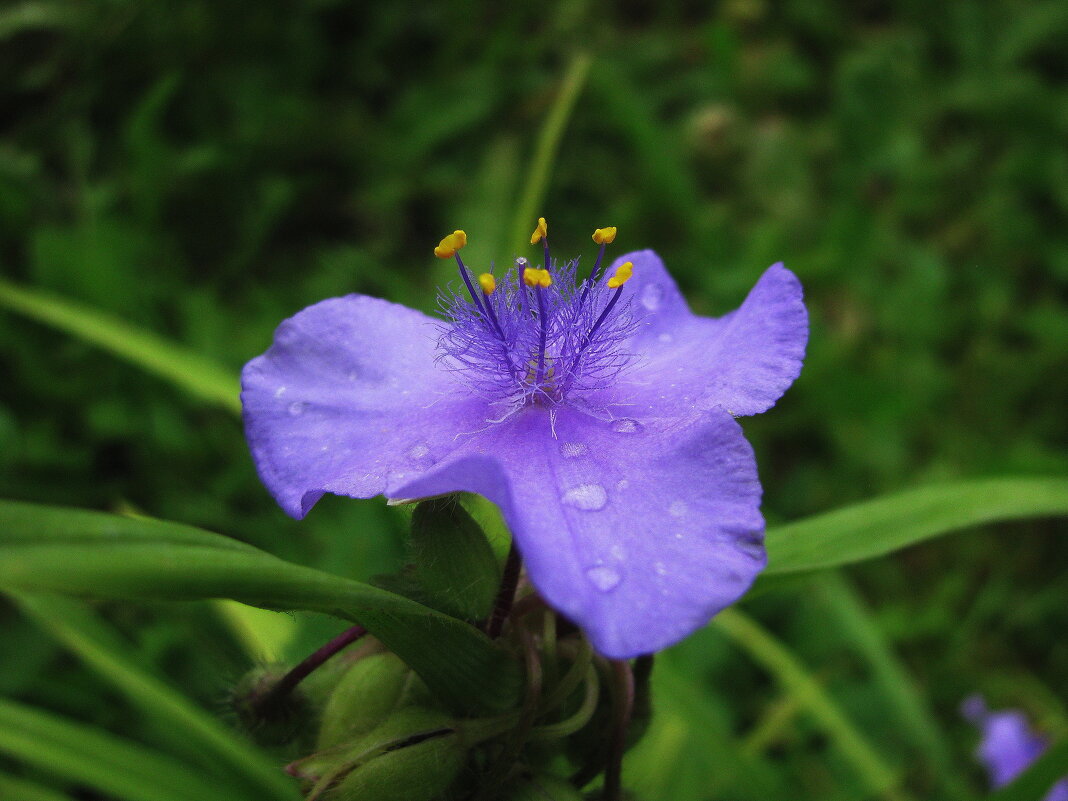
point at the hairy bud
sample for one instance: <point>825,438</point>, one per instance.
<point>413,755</point>
<point>367,692</point>
<point>268,717</point>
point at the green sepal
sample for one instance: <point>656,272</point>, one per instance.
<point>412,755</point>
<point>453,562</point>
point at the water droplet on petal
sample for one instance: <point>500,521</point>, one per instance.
<point>603,577</point>
<point>280,392</point>
<point>353,375</point>
<point>679,535</point>
<point>618,552</point>
<point>588,497</point>
<point>419,450</point>
<point>297,407</point>
<point>572,450</point>
<point>678,509</point>
<point>666,338</point>
<point>627,425</point>
<point>622,484</point>
<point>652,295</point>
<point>660,568</point>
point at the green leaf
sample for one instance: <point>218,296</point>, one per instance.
<point>13,788</point>
<point>880,778</point>
<point>37,15</point>
<point>183,723</point>
<point>41,549</point>
<point>264,635</point>
<point>549,137</point>
<point>454,563</point>
<point>875,528</point>
<point>107,763</point>
<point>1035,782</point>
<point>847,610</point>
<point>196,374</point>
<point>689,752</point>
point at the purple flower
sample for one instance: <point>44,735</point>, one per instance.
<point>1008,745</point>
<point>597,414</point>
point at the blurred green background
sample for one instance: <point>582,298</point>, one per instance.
<point>204,169</point>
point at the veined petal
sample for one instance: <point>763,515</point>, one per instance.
<point>348,397</point>
<point>638,532</point>
<point>742,362</point>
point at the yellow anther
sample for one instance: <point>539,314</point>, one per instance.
<point>540,232</point>
<point>604,236</point>
<point>448,246</point>
<point>487,282</point>
<point>623,273</point>
<point>532,276</point>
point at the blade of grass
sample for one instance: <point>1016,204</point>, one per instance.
<point>552,131</point>
<point>196,374</point>
<point>264,635</point>
<point>875,528</point>
<point>84,754</point>
<point>21,790</point>
<point>89,637</point>
<point>89,554</point>
<point>848,611</point>
<point>795,680</point>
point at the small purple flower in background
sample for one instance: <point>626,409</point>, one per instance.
<point>1008,746</point>
<point>596,411</point>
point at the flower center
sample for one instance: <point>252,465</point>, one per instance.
<point>536,335</point>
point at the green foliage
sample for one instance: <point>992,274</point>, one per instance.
<point>882,526</point>
<point>45,549</point>
<point>176,178</point>
<point>456,569</point>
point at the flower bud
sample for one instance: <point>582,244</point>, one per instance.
<point>413,755</point>
<point>269,719</point>
<point>367,692</point>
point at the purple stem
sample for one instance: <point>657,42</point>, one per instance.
<point>624,703</point>
<point>301,671</point>
<point>506,594</point>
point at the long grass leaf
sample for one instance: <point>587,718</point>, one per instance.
<point>763,648</point>
<point>465,668</point>
<point>193,372</point>
<point>549,137</point>
<point>89,637</point>
<point>875,528</point>
<point>103,761</point>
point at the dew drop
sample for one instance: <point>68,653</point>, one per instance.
<point>652,296</point>
<point>603,577</point>
<point>618,552</point>
<point>666,338</point>
<point>660,568</point>
<point>353,375</point>
<point>627,425</point>
<point>297,408</point>
<point>588,497</point>
<point>572,450</point>
<point>419,450</point>
<point>679,535</point>
<point>678,509</point>
<point>622,484</point>
<point>280,392</point>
